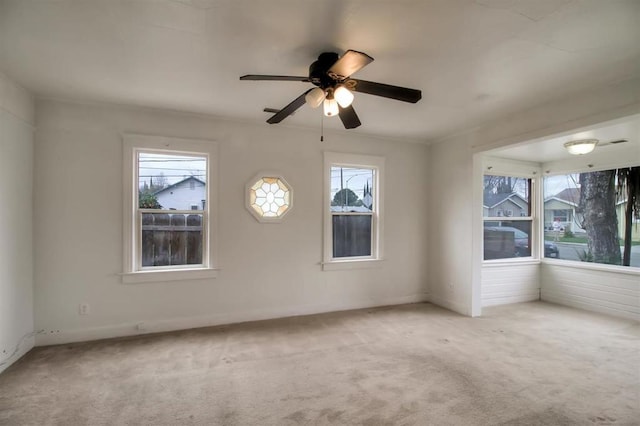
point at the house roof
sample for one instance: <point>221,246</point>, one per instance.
<point>178,183</point>
<point>493,200</point>
<point>568,195</point>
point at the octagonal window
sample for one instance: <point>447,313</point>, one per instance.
<point>269,198</point>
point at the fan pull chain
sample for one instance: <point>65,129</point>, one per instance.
<point>322,128</point>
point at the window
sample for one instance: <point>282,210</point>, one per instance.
<point>169,227</point>
<point>269,198</point>
<point>589,218</point>
<point>507,197</point>
<point>353,208</point>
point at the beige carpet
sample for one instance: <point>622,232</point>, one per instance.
<point>524,364</point>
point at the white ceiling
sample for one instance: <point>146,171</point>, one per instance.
<point>473,60</point>
<point>551,149</point>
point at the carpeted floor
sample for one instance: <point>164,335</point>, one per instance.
<point>523,364</point>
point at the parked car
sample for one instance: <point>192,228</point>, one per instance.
<point>521,242</point>
<point>551,250</point>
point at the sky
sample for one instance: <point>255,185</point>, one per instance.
<point>352,178</point>
<point>551,184</point>
<point>555,184</point>
<point>174,168</point>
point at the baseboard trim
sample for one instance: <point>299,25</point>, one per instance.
<point>173,324</point>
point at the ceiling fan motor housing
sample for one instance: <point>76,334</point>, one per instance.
<point>318,70</point>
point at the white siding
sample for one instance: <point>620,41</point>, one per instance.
<point>513,283</point>
<point>182,197</point>
<point>609,292</point>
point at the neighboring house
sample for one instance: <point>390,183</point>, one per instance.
<point>504,205</point>
<point>621,206</point>
<point>561,208</point>
<point>188,194</point>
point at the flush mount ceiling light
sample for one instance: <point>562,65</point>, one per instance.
<point>582,146</point>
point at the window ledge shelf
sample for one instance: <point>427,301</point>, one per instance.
<point>510,262</point>
<point>341,265</point>
<point>629,270</point>
<point>168,275</point>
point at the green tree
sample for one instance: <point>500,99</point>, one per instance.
<point>148,201</point>
<point>346,197</point>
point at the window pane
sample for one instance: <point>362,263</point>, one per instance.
<point>506,196</point>
<point>585,216</point>
<point>171,182</point>
<point>171,239</point>
<point>352,189</point>
<point>505,239</point>
<point>352,235</point>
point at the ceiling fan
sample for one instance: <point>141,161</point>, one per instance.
<point>332,76</point>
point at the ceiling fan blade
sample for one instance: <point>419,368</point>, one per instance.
<point>348,64</point>
<point>258,77</point>
<point>385,90</point>
<point>349,117</point>
<point>289,109</point>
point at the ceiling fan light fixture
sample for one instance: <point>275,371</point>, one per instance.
<point>343,96</point>
<point>580,147</point>
<point>315,97</point>
<point>330,107</point>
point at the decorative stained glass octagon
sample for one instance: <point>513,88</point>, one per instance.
<point>269,197</point>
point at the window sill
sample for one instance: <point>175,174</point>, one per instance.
<point>576,264</point>
<point>168,275</point>
<point>514,261</point>
<point>341,265</point>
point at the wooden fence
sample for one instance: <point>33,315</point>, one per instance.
<point>171,239</point>
<point>351,235</point>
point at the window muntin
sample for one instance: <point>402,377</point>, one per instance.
<point>508,217</point>
<point>353,208</point>
<point>171,227</point>
<point>568,212</point>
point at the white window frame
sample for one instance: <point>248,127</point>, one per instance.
<point>133,272</point>
<point>536,241</point>
<point>336,159</point>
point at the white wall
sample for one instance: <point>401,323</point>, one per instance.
<point>455,170</point>
<point>593,288</point>
<point>450,243</point>
<point>267,270</point>
<point>16,205</point>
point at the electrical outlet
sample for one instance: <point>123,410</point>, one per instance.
<point>141,326</point>
<point>83,309</point>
